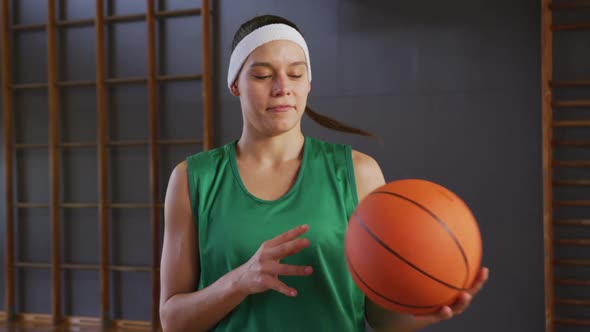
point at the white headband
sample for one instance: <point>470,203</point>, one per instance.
<point>259,37</point>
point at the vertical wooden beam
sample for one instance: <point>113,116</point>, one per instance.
<point>54,154</point>
<point>8,160</point>
<point>207,76</point>
<point>547,118</point>
<point>154,160</point>
<point>101,116</point>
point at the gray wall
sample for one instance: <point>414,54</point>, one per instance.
<point>451,87</point>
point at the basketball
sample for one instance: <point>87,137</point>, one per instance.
<point>412,246</point>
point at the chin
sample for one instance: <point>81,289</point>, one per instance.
<point>279,129</point>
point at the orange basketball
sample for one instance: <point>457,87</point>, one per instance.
<point>412,246</point>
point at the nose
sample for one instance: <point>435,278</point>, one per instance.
<point>281,85</point>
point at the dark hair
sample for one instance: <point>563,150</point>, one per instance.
<point>322,120</point>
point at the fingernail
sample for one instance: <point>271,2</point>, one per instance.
<point>308,270</point>
<point>293,293</point>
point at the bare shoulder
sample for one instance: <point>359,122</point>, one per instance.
<point>179,170</point>
<point>178,176</point>
<point>367,173</point>
<point>177,194</point>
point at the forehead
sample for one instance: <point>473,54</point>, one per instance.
<point>277,50</point>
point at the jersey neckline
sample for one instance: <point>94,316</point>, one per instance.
<point>238,177</point>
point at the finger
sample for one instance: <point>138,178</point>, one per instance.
<point>292,270</point>
<point>479,281</point>
<point>279,286</point>
<point>287,236</point>
<point>444,313</point>
<point>287,249</point>
<point>462,303</point>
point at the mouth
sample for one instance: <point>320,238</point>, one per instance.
<point>280,108</point>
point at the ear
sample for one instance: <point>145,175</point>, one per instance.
<point>309,88</point>
<point>234,90</point>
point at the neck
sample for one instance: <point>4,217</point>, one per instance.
<point>271,149</point>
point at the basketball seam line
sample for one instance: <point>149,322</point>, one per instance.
<point>383,296</point>
<point>390,250</point>
<point>445,227</point>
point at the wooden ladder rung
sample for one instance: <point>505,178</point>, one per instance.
<point>573,322</point>
<point>118,80</point>
<point>32,265</point>
<point>31,146</point>
<point>573,26</point>
<point>125,80</point>
<point>77,145</point>
<point>573,242</point>
<point>571,183</point>
<point>578,203</point>
<point>581,144</point>
<point>179,12</point>
<point>572,222</point>
<point>572,262</point>
<point>28,27</point>
<point>25,86</point>
<point>573,4</point>
<point>79,205</point>
<point>124,18</point>
<point>576,302</point>
<point>569,84</point>
<point>75,23</point>
<point>573,282</point>
<point>571,123</point>
<point>80,266</point>
<point>64,84</point>
<point>571,163</point>
<point>571,103</point>
<point>180,77</point>
<point>22,205</point>
<point>126,268</point>
<point>179,141</point>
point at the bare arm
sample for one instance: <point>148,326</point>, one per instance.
<point>369,177</point>
<point>181,307</point>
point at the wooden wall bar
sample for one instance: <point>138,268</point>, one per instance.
<point>101,132</point>
<point>207,76</point>
<point>547,118</point>
<point>152,85</point>
<point>54,157</point>
<point>102,144</point>
<point>8,161</point>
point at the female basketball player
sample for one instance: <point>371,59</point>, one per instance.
<point>255,229</point>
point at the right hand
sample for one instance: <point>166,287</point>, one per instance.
<point>261,272</point>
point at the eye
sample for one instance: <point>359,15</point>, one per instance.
<point>296,76</point>
<point>261,77</point>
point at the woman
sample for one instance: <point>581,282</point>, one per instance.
<point>255,229</point>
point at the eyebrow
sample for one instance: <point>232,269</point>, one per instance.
<point>268,65</point>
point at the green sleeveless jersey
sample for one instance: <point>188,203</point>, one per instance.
<point>232,224</point>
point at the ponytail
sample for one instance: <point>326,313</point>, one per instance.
<point>330,123</point>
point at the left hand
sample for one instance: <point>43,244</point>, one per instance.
<point>463,301</point>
